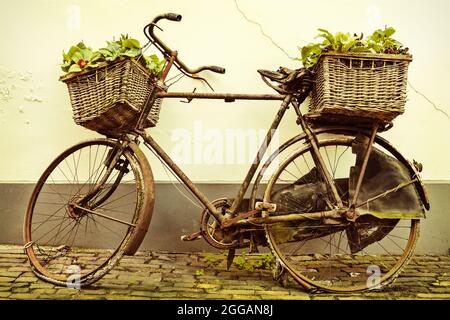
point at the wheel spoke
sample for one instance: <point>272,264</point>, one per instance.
<point>333,255</point>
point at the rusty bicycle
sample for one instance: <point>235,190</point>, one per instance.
<point>341,211</point>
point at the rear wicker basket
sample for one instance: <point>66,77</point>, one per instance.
<point>359,88</point>
<point>110,97</point>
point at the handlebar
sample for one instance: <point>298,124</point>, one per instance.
<point>149,33</point>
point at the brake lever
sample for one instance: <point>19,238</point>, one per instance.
<point>193,77</point>
<point>154,24</point>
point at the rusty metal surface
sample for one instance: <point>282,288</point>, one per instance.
<point>148,196</point>
<point>173,166</point>
<point>363,167</point>
<point>226,96</point>
<point>385,173</point>
<point>317,157</point>
<point>346,131</point>
<point>262,150</point>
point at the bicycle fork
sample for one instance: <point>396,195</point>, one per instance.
<point>80,206</point>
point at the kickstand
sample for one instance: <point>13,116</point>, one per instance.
<point>253,246</point>
<point>230,258</point>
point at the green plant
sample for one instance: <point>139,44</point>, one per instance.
<point>80,57</point>
<point>211,260</point>
<point>200,272</point>
<point>380,41</point>
<point>241,263</point>
<point>264,261</point>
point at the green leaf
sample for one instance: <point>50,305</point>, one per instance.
<point>105,52</point>
<point>77,55</point>
<point>134,52</point>
<point>131,44</point>
<point>74,68</point>
<point>389,31</point>
<point>327,35</point>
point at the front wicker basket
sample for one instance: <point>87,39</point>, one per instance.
<point>359,88</point>
<point>110,97</point>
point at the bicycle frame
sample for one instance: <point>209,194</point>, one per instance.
<point>160,92</point>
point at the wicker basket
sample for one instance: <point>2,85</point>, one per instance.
<point>359,88</point>
<point>110,97</point>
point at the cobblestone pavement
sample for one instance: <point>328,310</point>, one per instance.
<point>166,275</point>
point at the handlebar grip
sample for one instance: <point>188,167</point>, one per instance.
<point>216,69</point>
<point>173,16</point>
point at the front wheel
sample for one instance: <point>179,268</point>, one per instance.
<point>76,227</point>
<point>337,254</point>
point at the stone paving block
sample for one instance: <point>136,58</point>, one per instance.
<point>217,296</point>
<point>152,294</point>
<point>13,274</point>
<point>425,258</point>
<point>27,279</point>
<point>243,287</point>
<point>7,279</point>
<point>41,285</point>
<point>353,297</point>
<point>208,285</point>
<point>90,297</point>
<point>43,291</point>
<point>441,284</point>
<point>22,268</point>
<point>93,291</point>
<point>124,297</point>
<point>273,293</point>
<point>298,293</point>
<point>323,297</point>
<point>245,297</point>
<point>23,296</point>
<point>168,275</point>
<point>306,297</point>
<point>67,291</point>
<point>237,291</point>
<point>441,296</point>
<point>440,290</point>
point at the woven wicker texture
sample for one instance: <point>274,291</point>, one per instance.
<point>110,97</point>
<point>371,87</point>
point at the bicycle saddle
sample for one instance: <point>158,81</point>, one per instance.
<point>273,75</point>
<point>299,80</point>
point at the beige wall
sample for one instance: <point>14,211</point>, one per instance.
<point>35,114</point>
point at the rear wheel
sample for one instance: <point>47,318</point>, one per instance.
<point>340,255</point>
<point>76,235</point>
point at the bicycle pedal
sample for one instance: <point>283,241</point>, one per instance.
<point>192,236</point>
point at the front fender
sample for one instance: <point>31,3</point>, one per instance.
<point>148,203</point>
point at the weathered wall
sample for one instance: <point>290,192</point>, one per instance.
<point>174,216</point>
<point>35,114</point>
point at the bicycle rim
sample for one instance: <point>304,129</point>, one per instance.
<point>325,256</point>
